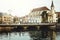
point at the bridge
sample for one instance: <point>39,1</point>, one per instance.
<point>34,26</point>
<point>49,28</point>
<point>41,24</point>
<point>30,26</point>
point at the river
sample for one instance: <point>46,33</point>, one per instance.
<point>22,36</point>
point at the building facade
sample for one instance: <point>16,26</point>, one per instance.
<point>42,15</point>
<point>6,18</point>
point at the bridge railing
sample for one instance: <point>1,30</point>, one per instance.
<point>41,24</point>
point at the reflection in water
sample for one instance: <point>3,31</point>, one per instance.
<point>15,36</point>
<point>39,35</point>
<point>58,36</point>
<point>31,35</point>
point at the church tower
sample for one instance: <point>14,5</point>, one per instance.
<point>52,5</point>
<point>52,8</point>
<point>54,15</point>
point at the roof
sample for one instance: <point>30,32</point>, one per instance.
<point>52,5</point>
<point>40,9</point>
<point>58,13</point>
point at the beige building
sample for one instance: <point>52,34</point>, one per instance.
<point>6,18</point>
<point>42,14</point>
<point>45,14</point>
<point>36,14</point>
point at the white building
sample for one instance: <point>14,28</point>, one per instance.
<point>42,14</point>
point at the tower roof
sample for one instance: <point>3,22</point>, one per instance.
<point>52,5</point>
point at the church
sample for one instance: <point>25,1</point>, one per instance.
<point>42,15</point>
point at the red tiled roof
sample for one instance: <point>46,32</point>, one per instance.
<point>58,13</point>
<point>40,9</point>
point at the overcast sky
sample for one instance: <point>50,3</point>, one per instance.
<point>24,7</point>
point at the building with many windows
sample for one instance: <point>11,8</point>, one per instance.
<point>42,15</point>
<point>6,18</point>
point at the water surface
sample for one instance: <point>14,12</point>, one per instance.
<point>22,36</point>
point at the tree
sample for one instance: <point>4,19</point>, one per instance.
<point>44,16</point>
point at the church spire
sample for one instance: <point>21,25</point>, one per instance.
<point>52,5</point>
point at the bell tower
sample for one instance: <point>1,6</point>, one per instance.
<point>54,15</point>
<point>52,5</point>
<point>52,8</point>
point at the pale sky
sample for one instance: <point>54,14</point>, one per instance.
<point>24,7</point>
